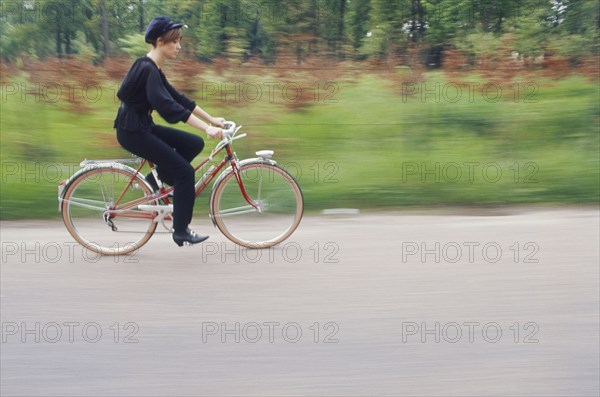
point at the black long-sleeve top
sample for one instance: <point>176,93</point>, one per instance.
<point>145,88</point>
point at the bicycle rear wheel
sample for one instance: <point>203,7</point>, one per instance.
<point>273,190</point>
<point>96,222</point>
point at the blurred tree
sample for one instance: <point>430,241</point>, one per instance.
<point>242,29</point>
<point>578,23</point>
<point>105,29</point>
<point>359,14</point>
<point>388,22</point>
<point>210,32</point>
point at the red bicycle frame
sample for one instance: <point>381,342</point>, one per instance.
<point>164,193</point>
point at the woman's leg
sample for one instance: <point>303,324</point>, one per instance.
<point>186,144</point>
<point>173,165</point>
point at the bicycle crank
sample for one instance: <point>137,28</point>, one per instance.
<point>161,211</point>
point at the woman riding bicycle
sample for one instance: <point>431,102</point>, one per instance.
<point>145,88</point>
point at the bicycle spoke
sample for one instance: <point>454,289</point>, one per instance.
<point>85,203</point>
<point>104,190</point>
<point>247,209</point>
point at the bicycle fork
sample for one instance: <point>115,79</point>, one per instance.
<point>238,178</point>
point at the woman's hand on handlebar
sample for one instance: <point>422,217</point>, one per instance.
<point>218,121</point>
<point>214,132</point>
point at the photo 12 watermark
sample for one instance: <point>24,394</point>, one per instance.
<point>53,92</point>
<point>326,172</point>
<point>272,92</point>
<point>68,332</point>
<point>469,172</point>
<point>468,251</point>
<point>37,172</point>
<point>287,252</point>
<point>269,332</point>
<point>51,252</point>
<point>450,92</point>
<point>469,332</point>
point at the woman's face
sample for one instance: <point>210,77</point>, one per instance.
<point>170,49</point>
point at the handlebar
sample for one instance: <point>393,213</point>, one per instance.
<point>229,131</point>
<point>229,127</point>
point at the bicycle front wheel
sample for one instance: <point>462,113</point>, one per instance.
<point>100,210</point>
<point>276,194</point>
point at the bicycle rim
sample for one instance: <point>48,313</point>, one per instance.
<point>90,214</point>
<point>278,196</point>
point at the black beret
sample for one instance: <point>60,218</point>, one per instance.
<point>158,27</point>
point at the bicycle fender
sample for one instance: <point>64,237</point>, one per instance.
<point>88,167</point>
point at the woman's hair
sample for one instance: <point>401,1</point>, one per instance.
<point>169,36</point>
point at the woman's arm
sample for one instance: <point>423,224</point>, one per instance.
<point>196,110</point>
<point>218,121</point>
<point>211,131</point>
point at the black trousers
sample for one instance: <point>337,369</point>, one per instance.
<point>171,150</point>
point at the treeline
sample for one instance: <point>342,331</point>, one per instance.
<point>400,31</point>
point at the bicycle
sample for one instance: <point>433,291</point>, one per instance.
<point>109,207</point>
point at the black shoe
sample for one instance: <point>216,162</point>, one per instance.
<point>188,237</point>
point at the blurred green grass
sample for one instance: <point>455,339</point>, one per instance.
<point>368,146</point>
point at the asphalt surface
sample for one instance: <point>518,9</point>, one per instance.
<point>464,303</point>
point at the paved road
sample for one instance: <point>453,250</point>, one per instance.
<point>471,304</point>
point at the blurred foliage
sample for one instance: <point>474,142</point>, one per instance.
<point>339,29</point>
<point>134,45</point>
